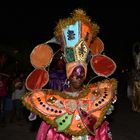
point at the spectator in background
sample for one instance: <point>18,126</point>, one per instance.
<point>3,93</point>
<point>136,78</point>
<point>57,72</point>
<point>18,92</point>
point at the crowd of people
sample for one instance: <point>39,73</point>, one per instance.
<point>12,88</point>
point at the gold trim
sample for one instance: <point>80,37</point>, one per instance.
<point>84,92</point>
<point>76,15</point>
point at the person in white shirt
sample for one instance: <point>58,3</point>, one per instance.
<point>16,97</point>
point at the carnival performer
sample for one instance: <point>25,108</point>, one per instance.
<point>79,111</point>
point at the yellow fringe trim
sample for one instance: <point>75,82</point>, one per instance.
<point>66,96</point>
<point>76,15</point>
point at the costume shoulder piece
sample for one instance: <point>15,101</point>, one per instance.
<point>73,115</point>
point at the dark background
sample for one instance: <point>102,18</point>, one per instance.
<point>24,26</point>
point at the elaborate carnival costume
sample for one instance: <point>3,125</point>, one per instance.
<point>72,116</point>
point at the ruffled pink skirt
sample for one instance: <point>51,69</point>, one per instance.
<point>46,132</point>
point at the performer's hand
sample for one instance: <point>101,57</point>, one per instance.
<point>32,116</point>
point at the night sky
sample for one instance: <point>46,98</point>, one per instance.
<point>119,25</point>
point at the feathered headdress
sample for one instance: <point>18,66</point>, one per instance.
<point>78,38</point>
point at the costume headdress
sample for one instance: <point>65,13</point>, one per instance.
<point>77,36</point>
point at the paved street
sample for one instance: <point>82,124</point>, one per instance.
<point>16,131</point>
<point>125,123</point>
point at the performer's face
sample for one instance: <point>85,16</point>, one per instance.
<point>77,77</point>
